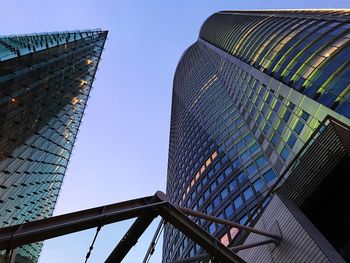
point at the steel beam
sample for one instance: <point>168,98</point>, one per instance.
<point>192,230</point>
<point>18,235</point>
<point>234,249</point>
<point>15,236</point>
<point>228,223</point>
<point>132,235</point>
<point>255,244</point>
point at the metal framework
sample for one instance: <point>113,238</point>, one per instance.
<point>233,249</point>
<point>190,212</point>
<point>145,209</point>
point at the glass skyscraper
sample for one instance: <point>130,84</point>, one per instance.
<point>246,97</point>
<point>45,81</point>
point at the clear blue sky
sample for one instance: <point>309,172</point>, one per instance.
<point>121,151</point>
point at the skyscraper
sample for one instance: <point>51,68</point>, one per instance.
<point>246,98</point>
<point>45,81</point>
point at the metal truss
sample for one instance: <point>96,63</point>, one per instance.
<point>144,209</point>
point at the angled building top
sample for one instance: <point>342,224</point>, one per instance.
<point>18,45</point>
<point>45,82</point>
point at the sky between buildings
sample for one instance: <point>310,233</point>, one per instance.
<point>121,150</point>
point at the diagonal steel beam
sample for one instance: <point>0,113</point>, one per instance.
<point>204,256</point>
<point>229,223</point>
<point>132,235</point>
<point>18,235</point>
<point>192,230</point>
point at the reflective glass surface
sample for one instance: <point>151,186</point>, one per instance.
<point>243,106</point>
<point>45,81</point>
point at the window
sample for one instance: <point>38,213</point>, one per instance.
<point>196,176</point>
<point>228,171</point>
<point>251,169</point>
<point>232,152</point>
<point>208,209</point>
<point>238,202</point>
<point>291,105</point>
<point>275,139</point>
<point>248,138</point>
<point>192,252</point>
<point>233,185</point>
<point>280,128</point>
<point>253,148</point>
<point>233,232</point>
<point>224,240</point>
<point>285,153</point>
<point>292,139</point>
<point>286,116</point>
<point>210,173</point>
<point>272,118</point>
<point>224,159</point>
<point>206,194</point>
<point>195,207</point>
<point>248,193</point>
<point>229,211</point>
<point>216,202</point>
<point>245,156</point>
<point>258,185</point>
<point>264,109</point>
<point>204,180</point>
<point>224,193</point>
<point>266,128</point>
<point>259,119</point>
<point>207,162</point>
<point>243,220</point>
<point>200,201</point>
<point>198,188</point>
<point>239,145</point>
<point>344,109</point>
<point>235,163</point>
<point>277,106</point>
<point>242,177</point>
<point>213,186</point>
<point>268,98</point>
<point>261,161</point>
<point>299,127</point>
<point>217,166</point>
<point>193,195</point>
<point>212,228</point>
<point>305,116</point>
<point>221,178</point>
<point>269,176</point>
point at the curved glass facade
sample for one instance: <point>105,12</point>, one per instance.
<point>235,124</point>
<point>45,81</point>
<point>307,50</point>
